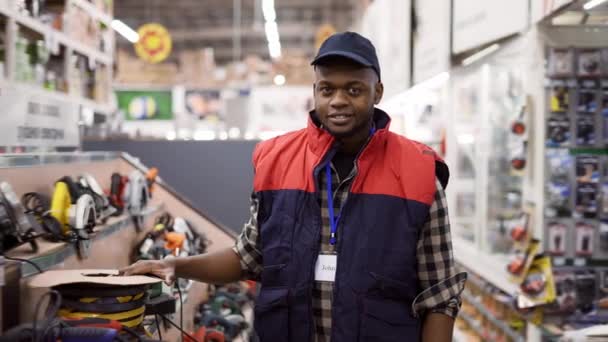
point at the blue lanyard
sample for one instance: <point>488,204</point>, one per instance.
<point>333,220</point>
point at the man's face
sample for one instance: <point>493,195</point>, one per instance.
<point>345,94</point>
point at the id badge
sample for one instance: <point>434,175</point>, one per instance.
<point>325,269</point>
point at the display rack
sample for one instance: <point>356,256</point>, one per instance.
<point>489,316</point>
<point>475,245</point>
<point>112,244</point>
<point>58,37</point>
<point>56,41</point>
<point>52,254</point>
<point>477,167</point>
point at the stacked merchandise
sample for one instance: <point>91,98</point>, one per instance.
<point>489,314</point>
<point>73,20</point>
<point>576,208</point>
<point>222,318</point>
<point>42,61</point>
<point>34,64</point>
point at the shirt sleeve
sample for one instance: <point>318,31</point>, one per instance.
<point>247,243</point>
<point>441,285</point>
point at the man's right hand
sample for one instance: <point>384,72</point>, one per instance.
<point>220,267</point>
<point>164,269</point>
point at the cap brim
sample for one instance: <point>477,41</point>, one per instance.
<point>354,57</point>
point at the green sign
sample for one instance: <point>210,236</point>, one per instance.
<point>145,105</point>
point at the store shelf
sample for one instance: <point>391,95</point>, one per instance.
<point>25,160</point>
<point>84,102</point>
<point>93,11</point>
<point>53,35</point>
<point>491,267</point>
<point>51,254</point>
<point>490,316</point>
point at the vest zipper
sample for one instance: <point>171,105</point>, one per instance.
<point>317,169</point>
<point>339,232</point>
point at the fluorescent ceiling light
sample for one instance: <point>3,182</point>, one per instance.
<point>481,54</point>
<point>274,50</point>
<point>593,3</point>
<point>570,18</point>
<point>272,31</point>
<point>279,80</point>
<point>268,10</point>
<point>125,31</point>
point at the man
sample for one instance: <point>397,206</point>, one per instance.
<point>349,233</point>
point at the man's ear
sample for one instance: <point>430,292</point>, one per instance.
<point>379,92</point>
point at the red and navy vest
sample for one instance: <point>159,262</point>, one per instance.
<point>387,205</point>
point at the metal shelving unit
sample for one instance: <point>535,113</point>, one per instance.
<point>56,39</point>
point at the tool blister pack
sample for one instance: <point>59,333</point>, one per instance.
<point>576,180</point>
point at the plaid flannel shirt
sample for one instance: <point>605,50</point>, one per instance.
<point>436,272</point>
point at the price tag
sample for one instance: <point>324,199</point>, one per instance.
<point>572,83</point>
<point>580,262</point>
<point>559,261</point>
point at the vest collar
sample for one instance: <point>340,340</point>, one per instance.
<point>320,140</point>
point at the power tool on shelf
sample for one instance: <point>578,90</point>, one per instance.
<point>116,193</point>
<point>152,247</point>
<point>136,197</point>
<point>103,209</point>
<point>74,208</point>
<point>15,227</point>
<point>38,207</point>
<point>204,334</point>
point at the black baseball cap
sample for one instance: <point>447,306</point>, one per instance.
<point>350,45</point>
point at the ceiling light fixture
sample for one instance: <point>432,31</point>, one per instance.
<point>125,31</point>
<point>279,80</point>
<point>271,29</point>
<point>592,4</point>
<point>268,10</point>
<point>481,54</point>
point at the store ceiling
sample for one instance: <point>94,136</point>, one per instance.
<point>209,23</point>
<point>575,15</point>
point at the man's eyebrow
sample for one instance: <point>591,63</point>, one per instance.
<point>356,82</point>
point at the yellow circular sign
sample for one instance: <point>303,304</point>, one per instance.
<point>323,32</point>
<point>154,44</point>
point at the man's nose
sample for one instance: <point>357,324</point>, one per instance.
<point>339,100</point>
